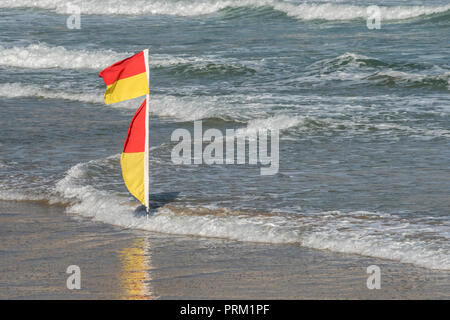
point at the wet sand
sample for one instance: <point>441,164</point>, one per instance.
<point>39,242</point>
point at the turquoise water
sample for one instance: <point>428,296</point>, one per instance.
<point>363,118</point>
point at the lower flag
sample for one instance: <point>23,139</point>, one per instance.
<point>134,159</point>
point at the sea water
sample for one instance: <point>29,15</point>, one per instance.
<point>363,117</point>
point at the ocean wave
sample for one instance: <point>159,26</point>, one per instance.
<point>43,56</point>
<point>178,108</point>
<point>399,78</point>
<point>181,109</point>
<point>302,11</point>
<point>293,127</point>
<point>346,60</point>
<point>420,241</point>
<point>211,69</point>
<point>342,12</point>
<point>358,62</point>
<point>19,90</point>
<point>247,113</point>
<point>184,108</point>
<point>86,191</point>
<point>366,70</point>
<point>13,195</point>
<point>279,122</point>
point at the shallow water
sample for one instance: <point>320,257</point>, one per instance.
<point>39,242</point>
<point>363,118</point>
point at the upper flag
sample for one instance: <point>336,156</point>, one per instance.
<point>126,79</point>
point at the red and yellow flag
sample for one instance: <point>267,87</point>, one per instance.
<point>126,79</point>
<point>134,159</point>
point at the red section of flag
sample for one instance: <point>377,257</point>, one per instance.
<point>124,69</point>
<point>135,141</point>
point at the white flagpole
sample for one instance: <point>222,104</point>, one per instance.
<point>147,140</point>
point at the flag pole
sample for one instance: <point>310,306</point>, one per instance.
<point>147,140</point>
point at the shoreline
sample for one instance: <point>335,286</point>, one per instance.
<point>41,241</point>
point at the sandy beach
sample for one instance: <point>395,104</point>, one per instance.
<point>116,263</point>
<point>281,148</point>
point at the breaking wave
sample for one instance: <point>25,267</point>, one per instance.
<point>302,11</point>
<point>18,90</point>
<point>374,234</point>
<point>36,56</point>
<point>348,66</point>
<point>248,117</point>
<point>398,78</point>
<point>367,70</point>
<point>333,12</point>
<point>43,56</point>
<point>8,195</point>
<point>176,107</point>
<point>211,69</point>
<point>346,60</point>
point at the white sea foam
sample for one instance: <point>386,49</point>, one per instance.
<point>331,11</point>
<point>297,124</point>
<point>43,56</point>
<point>180,108</point>
<point>15,90</point>
<point>19,90</point>
<point>405,78</point>
<point>373,234</point>
<point>303,11</point>
<point>185,108</point>
<point>347,59</point>
<point>278,122</point>
<point>255,117</point>
<point>13,195</point>
<point>422,241</point>
<point>37,56</point>
<point>361,68</point>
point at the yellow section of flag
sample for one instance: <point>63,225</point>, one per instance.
<point>133,155</point>
<point>133,174</point>
<point>128,88</point>
<point>126,79</point>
